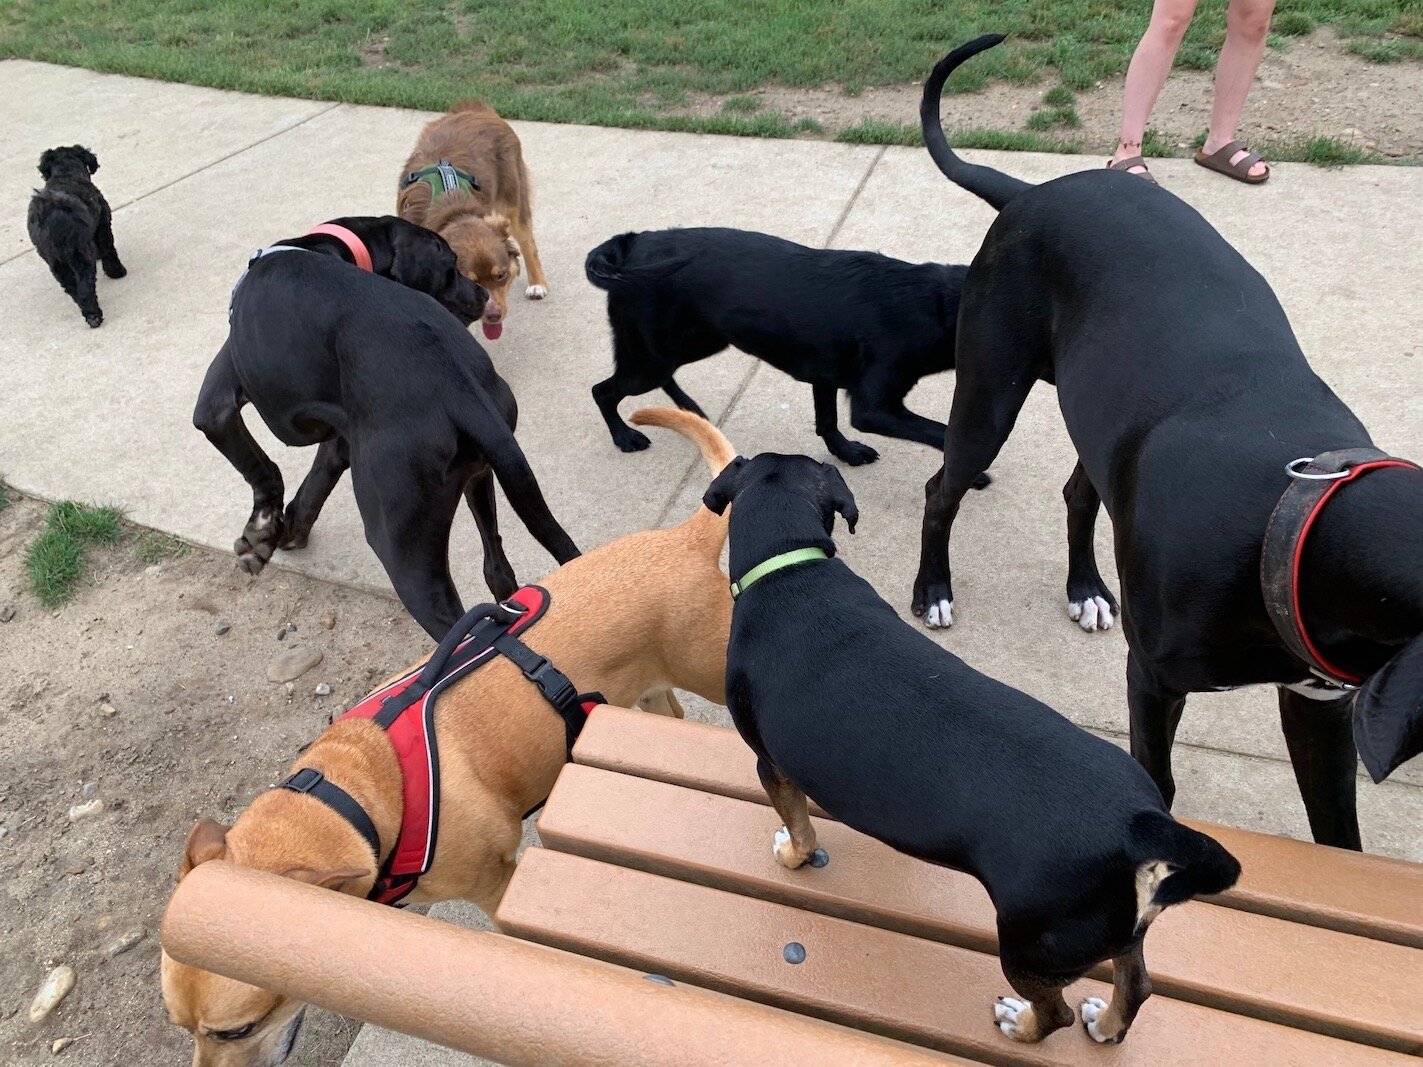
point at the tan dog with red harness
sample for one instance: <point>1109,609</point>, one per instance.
<point>408,798</point>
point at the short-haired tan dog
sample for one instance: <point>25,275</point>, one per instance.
<point>632,619</point>
<point>466,180</point>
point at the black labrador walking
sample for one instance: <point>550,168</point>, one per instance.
<point>389,383</point>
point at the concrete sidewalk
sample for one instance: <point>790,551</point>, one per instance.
<point>199,178</point>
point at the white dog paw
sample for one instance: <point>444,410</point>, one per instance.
<point>782,838</point>
<point>1006,1015</point>
<point>940,615</point>
<point>1093,1008</point>
<point>1092,614</point>
<point>536,292</point>
<point>784,851</point>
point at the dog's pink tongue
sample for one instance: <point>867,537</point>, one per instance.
<point>492,330</point>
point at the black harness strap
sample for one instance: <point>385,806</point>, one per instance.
<point>314,783</point>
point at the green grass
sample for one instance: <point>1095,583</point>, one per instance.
<point>4,495</point>
<point>630,62</point>
<point>1052,118</point>
<point>875,131</point>
<point>152,547</point>
<point>54,561</point>
<point>1321,151</point>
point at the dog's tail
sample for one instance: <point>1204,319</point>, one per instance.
<point>991,185</point>
<point>604,265</point>
<point>715,449</point>
<point>1196,865</point>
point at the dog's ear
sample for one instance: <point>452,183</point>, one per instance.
<point>207,840</point>
<point>724,487</point>
<point>839,496</point>
<point>500,225</point>
<point>46,163</point>
<point>1388,713</point>
<point>90,159</point>
<point>335,878</point>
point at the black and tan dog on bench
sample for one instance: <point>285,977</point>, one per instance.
<point>1187,397</point>
<point>845,703</point>
<point>385,378</point>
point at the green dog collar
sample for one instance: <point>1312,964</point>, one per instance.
<point>775,563</point>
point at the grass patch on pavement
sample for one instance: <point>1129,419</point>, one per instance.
<point>634,62</point>
<point>152,547</point>
<point>55,560</point>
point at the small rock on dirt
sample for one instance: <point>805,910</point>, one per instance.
<point>292,664</point>
<point>60,1044</point>
<point>106,709</point>
<point>89,789</point>
<point>54,989</point>
<point>154,570</point>
<point>323,690</point>
<point>7,613</point>
<point>125,941</point>
<point>328,621</point>
<point>221,627</point>
<point>86,810</point>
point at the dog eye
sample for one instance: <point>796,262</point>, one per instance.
<point>232,1035</point>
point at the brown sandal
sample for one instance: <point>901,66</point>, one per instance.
<point>1219,161</point>
<point>1133,161</point>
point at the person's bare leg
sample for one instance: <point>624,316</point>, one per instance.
<point>1150,66</point>
<point>1247,24</point>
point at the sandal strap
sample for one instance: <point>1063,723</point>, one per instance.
<point>1128,163</point>
<point>1225,151</point>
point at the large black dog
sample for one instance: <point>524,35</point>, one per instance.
<point>72,227</point>
<point>389,383</point>
<point>857,321</point>
<point>843,702</point>
<point>1186,395</point>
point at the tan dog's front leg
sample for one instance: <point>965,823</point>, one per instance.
<point>523,228</point>
<point>795,841</point>
<point>663,702</point>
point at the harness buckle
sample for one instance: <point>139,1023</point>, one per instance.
<point>304,780</point>
<point>552,683</point>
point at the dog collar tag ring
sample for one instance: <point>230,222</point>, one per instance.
<point>1296,468</point>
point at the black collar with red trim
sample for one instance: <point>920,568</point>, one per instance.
<point>1312,483</point>
<point>405,710</point>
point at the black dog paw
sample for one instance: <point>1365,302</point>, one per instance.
<point>631,440</point>
<point>118,270</point>
<point>934,603</point>
<point>1091,605</point>
<point>983,481</point>
<point>854,453</point>
<point>95,319</point>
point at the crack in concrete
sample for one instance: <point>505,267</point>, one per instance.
<point>192,173</point>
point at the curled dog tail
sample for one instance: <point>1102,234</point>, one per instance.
<point>984,182</point>
<point>1176,863</point>
<point>604,265</point>
<point>715,449</point>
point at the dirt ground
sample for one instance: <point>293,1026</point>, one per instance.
<point>129,695</point>
<point>1312,87</point>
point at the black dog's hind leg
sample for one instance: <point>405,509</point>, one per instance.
<point>1089,602</point>
<point>1041,1011</point>
<point>607,394</point>
<point>874,408</point>
<point>219,416</point>
<point>1155,715</point>
<point>795,840</point>
<point>827,427</point>
<point>104,242</point>
<point>681,399</point>
<point>80,282</point>
<point>978,425</point>
<point>409,532</point>
<point>1131,986</point>
<point>333,458</point>
<point>498,571</point>
<point>1320,737</point>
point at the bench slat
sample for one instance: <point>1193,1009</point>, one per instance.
<point>1237,961</point>
<point>889,983</point>
<point>1371,896</point>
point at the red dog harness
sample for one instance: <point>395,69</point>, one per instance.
<point>1313,482</point>
<point>359,252</point>
<point>405,710</point>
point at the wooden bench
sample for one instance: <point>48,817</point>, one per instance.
<point>657,856</point>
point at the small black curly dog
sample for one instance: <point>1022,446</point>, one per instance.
<point>72,227</point>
